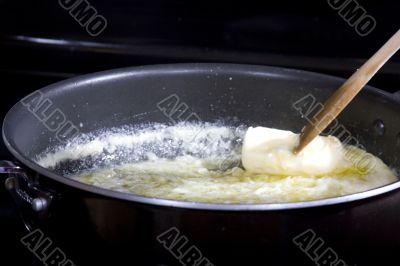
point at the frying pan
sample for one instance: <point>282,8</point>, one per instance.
<point>95,225</point>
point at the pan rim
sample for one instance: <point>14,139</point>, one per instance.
<point>187,204</point>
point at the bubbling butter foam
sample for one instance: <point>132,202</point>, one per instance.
<point>209,141</point>
<point>202,163</point>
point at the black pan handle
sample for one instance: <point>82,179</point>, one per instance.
<point>7,167</point>
<point>32,201</point>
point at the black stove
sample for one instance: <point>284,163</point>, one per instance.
<point>42,43</point>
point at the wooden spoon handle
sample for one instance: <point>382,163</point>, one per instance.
<point>342,96</point>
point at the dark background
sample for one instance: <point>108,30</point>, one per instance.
<point>40,43</point>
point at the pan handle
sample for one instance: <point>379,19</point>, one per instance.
<point>7,167</point>
<point>32,201</point>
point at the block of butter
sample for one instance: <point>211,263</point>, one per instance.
<point>270,151</point>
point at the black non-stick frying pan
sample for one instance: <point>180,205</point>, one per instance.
<point>100,226</point>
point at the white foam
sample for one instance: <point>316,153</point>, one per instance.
<point>206,140</point>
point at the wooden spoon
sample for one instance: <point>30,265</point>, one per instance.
<point>342,96</point>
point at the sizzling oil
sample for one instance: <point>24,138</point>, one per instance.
<point>190,179</point>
